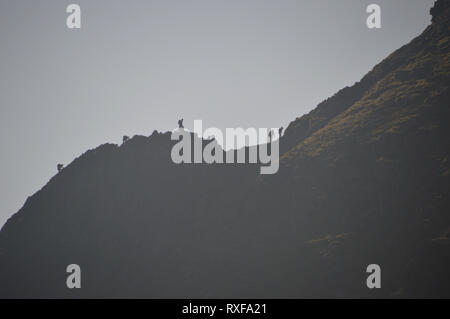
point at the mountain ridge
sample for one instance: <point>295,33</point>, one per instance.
<point>363,178</point>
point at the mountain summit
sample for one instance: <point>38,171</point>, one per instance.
<point>363,179</point>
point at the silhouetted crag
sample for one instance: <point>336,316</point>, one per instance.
<point>364,178</point>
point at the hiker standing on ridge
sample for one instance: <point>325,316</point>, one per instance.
<point>180,123</point>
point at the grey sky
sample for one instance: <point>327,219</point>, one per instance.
<point>137,66</point>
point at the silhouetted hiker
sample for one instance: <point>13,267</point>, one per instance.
<point>280,131</point>
<point>155,133</point>
<point>60,167</point>
<point>125,138</point>
<point>270,136</point>
<point>180,123</point>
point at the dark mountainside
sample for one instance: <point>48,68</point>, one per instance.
<point>364,178</point>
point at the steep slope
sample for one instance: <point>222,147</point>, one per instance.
<point>402,61</point>
<point>370,183</point>
<point>364,178</point>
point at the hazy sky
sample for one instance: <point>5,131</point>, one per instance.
<point>137,66</point>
